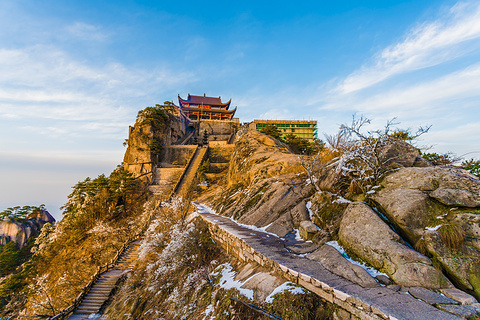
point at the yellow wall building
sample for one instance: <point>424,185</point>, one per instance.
<point>300,128</point>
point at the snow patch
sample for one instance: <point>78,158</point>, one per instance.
<point>254,228</point>
<point>227,281</point>
<point>310,212</point>
<point>341,200</point>
<point>297,235</point>
<point>209,310</point>
<point>201,208</point>
<point>286,286</point>
<point>433,228</point>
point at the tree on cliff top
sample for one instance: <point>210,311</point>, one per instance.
<point>157,115</point>
<point>20,213</point>
<point>272,131</point>
<point>297,144</point>
<point>103,197</point>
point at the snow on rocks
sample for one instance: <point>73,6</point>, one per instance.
<point>287,286</point>
<point>227,280</point>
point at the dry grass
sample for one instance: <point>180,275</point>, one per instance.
<point>421,246</point>
<point>452,236</point>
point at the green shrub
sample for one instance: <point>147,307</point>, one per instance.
<point>300,306</point>
<point>11,256</point>
<point>271,130</point>
<point>155,147</point>
<point>441,159</point>
<point>473,166</point>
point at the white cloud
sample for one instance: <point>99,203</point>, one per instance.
<point>88,32</point>
<point>449,37</point>
<point>422,98</point>
<point>45,82</point>
<point>462,139</point>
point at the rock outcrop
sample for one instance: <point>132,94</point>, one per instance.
<point>20,231</point>
<point>333,260</point>
<point>265,185</point>
<point>434,208</point>
<point>363,233</point>
<point>150,134</point>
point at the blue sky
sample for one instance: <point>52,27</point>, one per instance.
<point>73,74</point>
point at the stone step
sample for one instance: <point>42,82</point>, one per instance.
<point>100,291</point>
<point>107,281</point>
<point>92,309</point>
<point>97,297</point>
<point>78,316</point>
<point>92,303</point>
<point>103,286</point>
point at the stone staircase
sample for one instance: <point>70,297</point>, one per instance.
<point>102,288</point>
<point>164,180</point>
<point>189,176</point>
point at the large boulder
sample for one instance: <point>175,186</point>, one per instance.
<point>449,185</point>
<point>334,261</point>
<point>410,210</point>
<point>462,266</point>
<point>307,230</point>
<point>397,154</point>
<point>368,237</point>
<point>435,209</point>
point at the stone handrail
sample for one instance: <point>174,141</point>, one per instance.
<point>351,300</point>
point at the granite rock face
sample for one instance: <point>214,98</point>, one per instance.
<point>141,157</point>
<point>436,209</point>
<point>20,231</point>
<point>327,211</point>
<point>367,236</point>
<point>333,260</point>
<point>263,186</point>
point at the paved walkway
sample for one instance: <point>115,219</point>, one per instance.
<point>102,288</point>
<point>397,305</point>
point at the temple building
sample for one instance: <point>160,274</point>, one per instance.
<point>300,128</point>
<point>206,108</point>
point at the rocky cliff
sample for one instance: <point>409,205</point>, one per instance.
<point>20,230</point>
<point>154,128</point>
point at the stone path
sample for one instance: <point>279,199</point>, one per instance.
<point>102,288</point>
<point>379,302</point>
<point>189,175</point>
